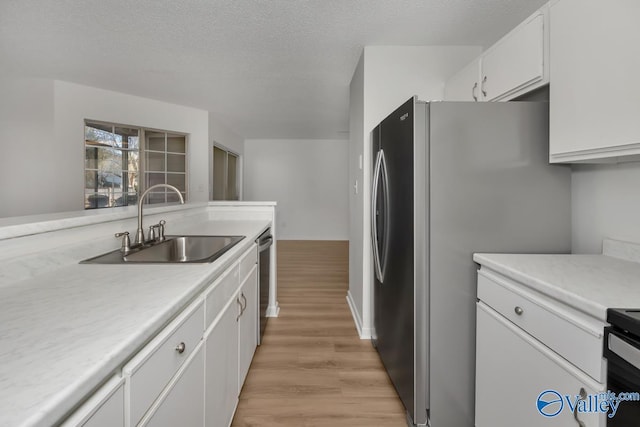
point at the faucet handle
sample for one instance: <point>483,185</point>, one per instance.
<point>126,242</point>
<point>161,224</point>
<point>153,236</point>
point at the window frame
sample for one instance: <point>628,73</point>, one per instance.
<point>239,165</point>
<point>142,166</point>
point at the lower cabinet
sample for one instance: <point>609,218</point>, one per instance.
<point>192,371</point>
<point>248,324</point>
<point>183,402</point>
<point>104,409</point>
<point>521,382</point>
<point>221,367</point>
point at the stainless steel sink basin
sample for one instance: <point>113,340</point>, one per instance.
<point>175,249</point>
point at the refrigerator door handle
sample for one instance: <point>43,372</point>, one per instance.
<point>385,248</point>
<point>374,228</point>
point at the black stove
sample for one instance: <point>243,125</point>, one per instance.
<point>622,351</point>
<point>625,319</point>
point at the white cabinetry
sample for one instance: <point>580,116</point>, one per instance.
<point>183,402</point>
<point>513,369</point>
<point>191,373</point>
<point>595,88</point>
<point>221,367</point>
<point>516,64</point>
<point>105,408</point>
<point>149,372</point>
<point>248,324</point>
<point>231,339</point>
<point>531,350</point>
<point>464,85</point>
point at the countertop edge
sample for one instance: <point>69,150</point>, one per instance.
<point>571,299</point>
<point>64,403</point>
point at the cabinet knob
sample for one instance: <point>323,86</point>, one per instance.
<point>180,348</point>
<point>484,92</point>
<point>518,311</point>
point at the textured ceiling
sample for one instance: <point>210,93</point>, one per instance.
<point>267,68</point>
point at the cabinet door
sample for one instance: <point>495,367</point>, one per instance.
<point>595,87</point>
<point>183,403</point>
<point>221,367</point>
<point>248,324</point>
<point>516,61</point>
<point>513,370</point>
<point>105,408</point>
<point>464,85</point>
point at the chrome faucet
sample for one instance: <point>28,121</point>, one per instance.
<point>140,231</point>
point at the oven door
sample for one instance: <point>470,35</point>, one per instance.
<point>623,375</point>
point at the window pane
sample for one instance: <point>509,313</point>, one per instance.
<point>101,135</point>
<point>155,198</point>
<point>155,140</point>
<point>176,143</point>
<point>219,173</point>
<point>96,200</point>
<point>176,163</point>
<point>154,162</point>
<point>91,158</point>
<point>177,180</point>
<point>91,180</point>
<point>232,173</point>
<point>126,199</point>
<point>173,197</point>
<point>154,178</point>
<point>129,136</point>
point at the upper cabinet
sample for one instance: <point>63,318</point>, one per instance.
<point>595,83</point>
<point>464,85</point>
<point>516,64</point>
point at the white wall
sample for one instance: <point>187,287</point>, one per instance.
<point>390,75</point>
<point>308,180</point>
<point>356,136</point>
<point>75,103</point>
<point>30,162</point>
<point>43,124</point>
<point>605,203</point>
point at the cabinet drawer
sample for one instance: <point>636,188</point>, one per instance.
<point>219,293</point>
<point>571,334</point>
<point>152,368</point>
<point>247,261</point>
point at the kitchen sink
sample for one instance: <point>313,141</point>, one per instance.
<point>175,249</point>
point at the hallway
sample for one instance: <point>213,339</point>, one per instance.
<point>312,369</point>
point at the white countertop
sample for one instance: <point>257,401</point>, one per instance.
<point>589,283</point>
<point>63,334</point>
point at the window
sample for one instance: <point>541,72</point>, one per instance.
<point>165,160</point>
<point>226,165</point>
<point>114,172</point>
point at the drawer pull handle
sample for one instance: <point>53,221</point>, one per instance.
<point>518,311</point>
<point>245,302</point>
<point>583,396</point>
<point>239,301</point>
<point>180,348</point>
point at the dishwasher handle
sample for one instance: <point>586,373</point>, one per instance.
<point>265,243</point>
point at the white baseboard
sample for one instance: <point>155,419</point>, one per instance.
<point>273,310</point>
<point>363,333</point>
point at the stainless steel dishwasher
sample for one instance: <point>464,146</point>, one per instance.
<point>264,262</point>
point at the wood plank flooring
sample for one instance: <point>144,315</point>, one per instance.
<point>312,369</point>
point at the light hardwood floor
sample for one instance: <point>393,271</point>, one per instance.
<point>312,369</point>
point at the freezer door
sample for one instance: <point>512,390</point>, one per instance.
<point>393,222</point>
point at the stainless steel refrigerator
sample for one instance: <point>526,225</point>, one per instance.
<point>451,179</point>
